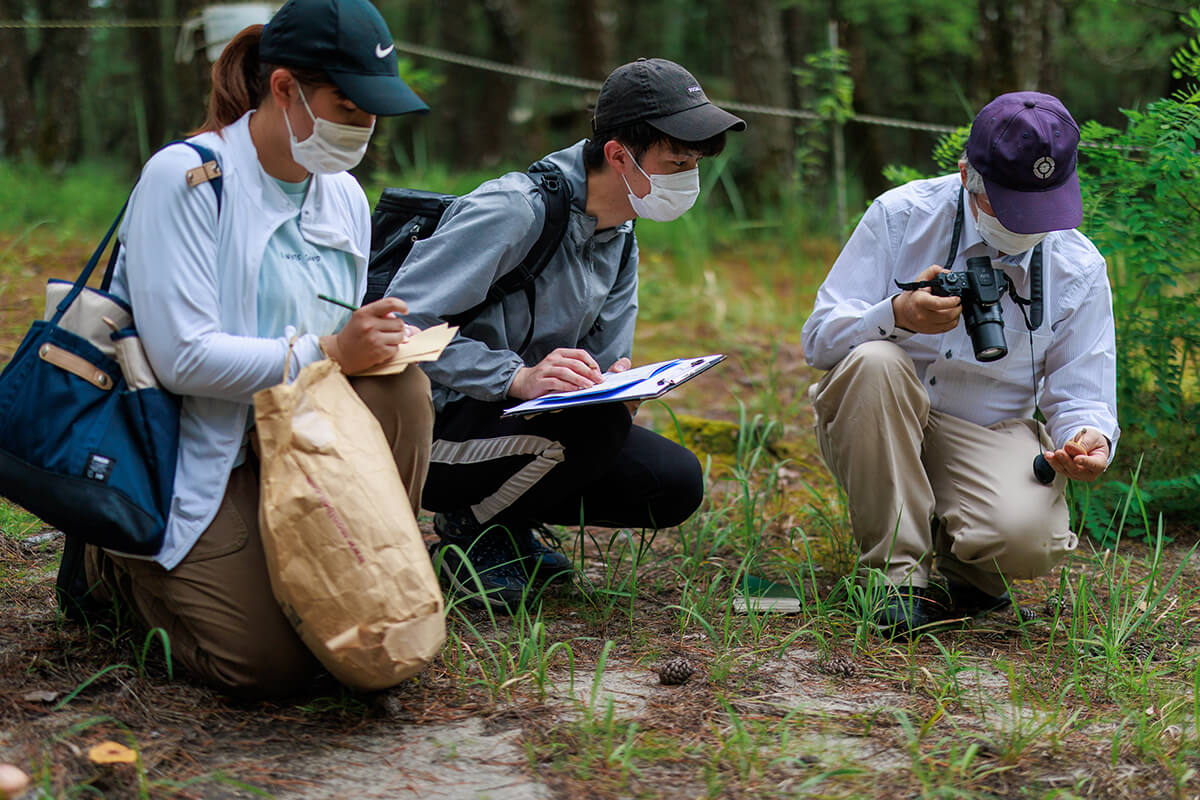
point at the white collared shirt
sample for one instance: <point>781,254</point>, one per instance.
<point>908,229</point>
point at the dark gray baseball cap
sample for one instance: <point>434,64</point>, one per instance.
<point>664,95</point>
<point>350,42</point>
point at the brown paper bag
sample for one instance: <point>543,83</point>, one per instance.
<point>343,550</point>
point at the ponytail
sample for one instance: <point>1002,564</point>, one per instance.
<point>240,81</point>
<point>236,85</point>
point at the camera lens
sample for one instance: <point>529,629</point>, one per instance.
<point>987,332</point>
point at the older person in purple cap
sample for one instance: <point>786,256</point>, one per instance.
<point>495,481</point>
<point>928,423</point>
<point>224,284</point>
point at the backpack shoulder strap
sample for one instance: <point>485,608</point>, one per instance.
<point>556,198</point>
<point>627,249</point>
<point>555,192</point>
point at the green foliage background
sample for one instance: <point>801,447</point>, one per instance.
<point>917,61</point>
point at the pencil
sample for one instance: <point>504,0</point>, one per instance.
<point>337,302</point>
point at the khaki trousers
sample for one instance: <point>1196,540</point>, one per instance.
<point>216,606</point>
<point>904,465</point>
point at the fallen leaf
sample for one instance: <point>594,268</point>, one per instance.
<point>40,696</point>
<point>112,753</point>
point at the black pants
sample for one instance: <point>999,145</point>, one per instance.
<point>589,464</point>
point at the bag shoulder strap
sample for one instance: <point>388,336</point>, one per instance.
<point>209,172</point>
<point>556,198</point>
<point>627,249</point>
<point>555,192</point>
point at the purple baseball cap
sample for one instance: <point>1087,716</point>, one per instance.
<point>1024,144</point>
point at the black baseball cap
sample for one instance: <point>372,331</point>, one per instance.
<point>665,96</point>
<point>349,41</point>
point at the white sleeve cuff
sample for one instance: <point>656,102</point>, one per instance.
<point>879,323</point>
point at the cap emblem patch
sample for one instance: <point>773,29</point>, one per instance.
<point>693,90</point>
<point>383,52</point>
<point>1043,168</point>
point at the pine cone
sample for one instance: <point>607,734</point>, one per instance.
<point>1054,606</point>
<point>838,666</point>
<point>675,672</point>
<point>1139,649</point>
<point>1026,613</point>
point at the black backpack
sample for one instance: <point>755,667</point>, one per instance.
<point>405,216</point>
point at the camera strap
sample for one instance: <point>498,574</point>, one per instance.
<point>958,225</point>
<point>1033,318</point>
<point>1042,471</point>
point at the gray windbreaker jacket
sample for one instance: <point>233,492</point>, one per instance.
<point>484,234</point>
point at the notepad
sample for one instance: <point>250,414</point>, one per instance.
<point>427,345</point>
<point>639,383</point>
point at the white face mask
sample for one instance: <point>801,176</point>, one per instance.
<point>333,147</point>
<point>670,195</point>
<point>1001,238</point>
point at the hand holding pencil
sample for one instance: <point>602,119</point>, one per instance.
<point>371,335</point>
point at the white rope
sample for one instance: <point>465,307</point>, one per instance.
<point>543,76</point>
<point>11,24</point>
<point>497,66</point>
<point>592,85</point>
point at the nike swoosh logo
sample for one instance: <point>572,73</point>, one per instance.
<point>381,52</point>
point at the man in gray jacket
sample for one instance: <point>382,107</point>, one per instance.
<point>495,482</point>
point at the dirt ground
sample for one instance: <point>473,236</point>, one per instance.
<point>1055,704</point>
<point>758,718</point>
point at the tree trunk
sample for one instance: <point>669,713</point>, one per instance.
<point>761,77</point>
<point>499,92</point>
<point>192,81</point>
<point>148,58</point>
<point>592,38</point>
<point>998,71</point>
<point>870,149</point>
<point>1042,53</point>
<point>61,61</point>
<point>472,118</point>
<point>16,101</point>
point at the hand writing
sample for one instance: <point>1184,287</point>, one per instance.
<point>370,337</point>
<point>563,370</point>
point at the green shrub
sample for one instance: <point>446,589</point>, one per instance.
<point>1141,205</point>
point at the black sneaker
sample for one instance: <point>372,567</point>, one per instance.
<point>541,555</point>
<point>968,601</point>
<point>907,612</point>
<point>489,552</point>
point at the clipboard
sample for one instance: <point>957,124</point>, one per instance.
<point>639,383</point>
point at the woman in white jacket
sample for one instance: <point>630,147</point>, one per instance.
<point>220,291</point>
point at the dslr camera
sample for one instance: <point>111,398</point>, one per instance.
<point>980,288</point>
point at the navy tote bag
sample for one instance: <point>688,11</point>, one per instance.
<point>88,438</point>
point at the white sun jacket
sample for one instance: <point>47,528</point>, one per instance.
<point>191,276</point>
